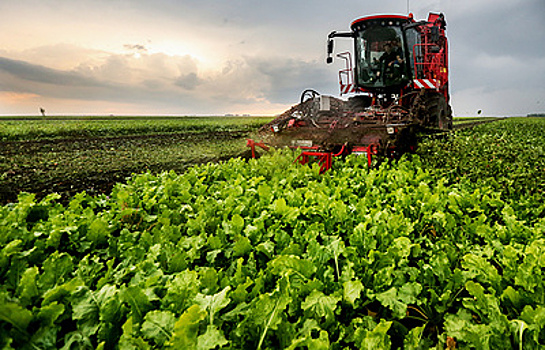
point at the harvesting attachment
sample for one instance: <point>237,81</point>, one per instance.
<point>393,86</point>
<point>324,159</point>
<point>252,144</point>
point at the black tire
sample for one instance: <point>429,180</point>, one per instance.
<point>407,140</point>
<point>433,111</point>
<point>359,103</point>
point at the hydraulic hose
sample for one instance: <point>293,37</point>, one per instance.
<point>310,92</point>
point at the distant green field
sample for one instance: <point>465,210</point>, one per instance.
<point>32,128</point>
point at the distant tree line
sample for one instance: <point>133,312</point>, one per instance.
<point>541,115</point>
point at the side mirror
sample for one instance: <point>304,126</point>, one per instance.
<point>329,58</point>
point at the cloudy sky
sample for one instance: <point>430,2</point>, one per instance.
<point>241,56</point>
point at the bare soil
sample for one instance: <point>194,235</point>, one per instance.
<point>101,161</point>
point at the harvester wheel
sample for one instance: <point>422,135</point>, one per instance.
<point>358,104</point>
<point>407,140</point>
<point>433,111</point>
<point>444,114</point>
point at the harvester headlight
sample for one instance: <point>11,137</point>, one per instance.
<point>390,130</point>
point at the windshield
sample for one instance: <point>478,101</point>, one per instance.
<point>381,60</point>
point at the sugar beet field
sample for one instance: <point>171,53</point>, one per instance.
<point>138,234</point>
<point>70,155</point>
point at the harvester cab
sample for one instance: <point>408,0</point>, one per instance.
<point>396,81</point>
<point>393,55</point>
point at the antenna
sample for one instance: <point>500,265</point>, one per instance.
<point>408,6</point>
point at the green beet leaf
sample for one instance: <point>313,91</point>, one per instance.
<point>352,291</point>
<point>138,301</point>
<point>397,299</point>
<point>27,288</point>
<point>534,317</point>
<point>158,326</point>
<point>98,231</point>
<point>319,305</point>
<point>129,340</point>
<point>377,338</point>
<point>14,314</point>
<point>57,268</point>
<point>290,263</point>
<point>186,328</point>
<point>213,303</point>
<point>211,339</point>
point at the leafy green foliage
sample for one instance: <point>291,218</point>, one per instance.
<point>505,155</point>
<point>269,254</point>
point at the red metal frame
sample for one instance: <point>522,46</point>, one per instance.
<point>324,159</point>
<point>346,84</point>
<point>369,150</point>
<point>252,144</point>
<point>434,65</point>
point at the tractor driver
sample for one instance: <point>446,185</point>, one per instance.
<point>389,56</point>
<point>391,60</point>
<point>396,48</point>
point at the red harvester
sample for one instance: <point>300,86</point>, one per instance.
<point>396,80</point>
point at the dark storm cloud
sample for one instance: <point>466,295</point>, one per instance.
<point>497,56</point>
<point>286,77</point>
<point>41,74</point>
<point>187,92</point>
<point>188,81</point>
<point>516,29</point>
<point>47,82</point>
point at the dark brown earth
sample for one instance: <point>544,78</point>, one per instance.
<point>20,162</point>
